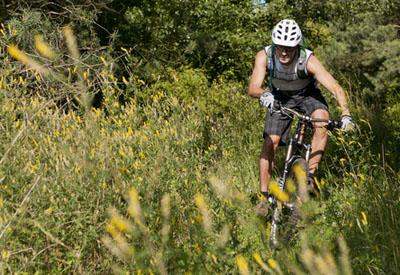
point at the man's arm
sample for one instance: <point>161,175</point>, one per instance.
<point>257,77</point>
<point>315,67</point>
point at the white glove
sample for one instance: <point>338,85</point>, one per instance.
<point>347,123</point>
<point>267,100</point>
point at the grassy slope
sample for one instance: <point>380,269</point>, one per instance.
<point>62,171</point>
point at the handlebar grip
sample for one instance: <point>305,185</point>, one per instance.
<point>334,124</point>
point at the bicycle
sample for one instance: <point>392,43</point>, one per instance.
<point>293,180</point>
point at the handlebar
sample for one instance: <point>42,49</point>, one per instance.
<point>330,124</point>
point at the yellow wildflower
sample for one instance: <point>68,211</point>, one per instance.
<point>120,223</point>
<point>272,263</point>
<point>242,265</point>
<point>24,58</point>
<point>5,254</point>
<point>134,208</point>
<point>124,80</point>
<point>259,261</point>
<point>278,193</point>
<point>364,218</point>
<point>300,173</point>
<point>201,204</point>
<point>290,186</point>
<point>43,48</point>
<point>71,42</point>
<point>103,60</point>
<point>48,211</point>
<point>112,230</point>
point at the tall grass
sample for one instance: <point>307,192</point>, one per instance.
<point>166,181</point>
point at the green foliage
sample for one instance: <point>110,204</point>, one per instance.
<point>160,109</point>
<point>73,162</point>
<point>363,204</point>
<point>214,35</point>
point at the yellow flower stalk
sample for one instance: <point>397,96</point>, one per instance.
<point>275,266</point>
<point>123,245</point>
<point>259,261</point>
<point>103,60</point>
<point>290,186</point>
<point>48,211</point>
<point>71,42</point>
<point>272,263</point>
<point>201,204</point>
<point>300,173</point>
<point>112,230</point>
<point>278,193</point>
<point>124,80</point>
<point>5,254</point>
<point>364,218</point>
<point>121,224</point>
<point>134,208</point>
<point>43,48</point>
<point>242,265</point>
<point>26,60</point>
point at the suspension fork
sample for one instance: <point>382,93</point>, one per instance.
<point>288,158</point>
<point>300,141</point>
<point>308,152</point>
<point>277,206</point>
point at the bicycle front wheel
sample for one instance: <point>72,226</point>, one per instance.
<point>286,216</point>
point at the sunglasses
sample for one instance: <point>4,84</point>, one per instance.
<point>286,49</point>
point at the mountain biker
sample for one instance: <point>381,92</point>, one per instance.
<point>293,73</point>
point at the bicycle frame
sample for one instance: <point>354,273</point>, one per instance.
<point>296,144</point>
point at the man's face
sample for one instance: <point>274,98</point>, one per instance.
<point>285,54</point>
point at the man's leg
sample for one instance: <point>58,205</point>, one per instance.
<point>319,140</point>
<point>268,149</point>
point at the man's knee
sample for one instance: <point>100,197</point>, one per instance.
<point>270,144</point>
<point>319,127</point>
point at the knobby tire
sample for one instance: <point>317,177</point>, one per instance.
<point>283,225</point>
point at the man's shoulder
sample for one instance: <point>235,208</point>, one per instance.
<point>314,65</point>
<point>261,54</point>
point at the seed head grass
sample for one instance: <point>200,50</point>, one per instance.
<point>149,160</point>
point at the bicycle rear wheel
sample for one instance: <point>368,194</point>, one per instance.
<point>286,216</point>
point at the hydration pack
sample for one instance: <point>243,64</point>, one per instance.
<point>300,67</point>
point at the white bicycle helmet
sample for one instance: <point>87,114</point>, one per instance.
<point>287,33</point>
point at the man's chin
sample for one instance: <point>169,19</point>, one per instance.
<point>285,61</point>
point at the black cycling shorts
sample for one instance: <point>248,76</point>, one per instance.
<point>308,102</point>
